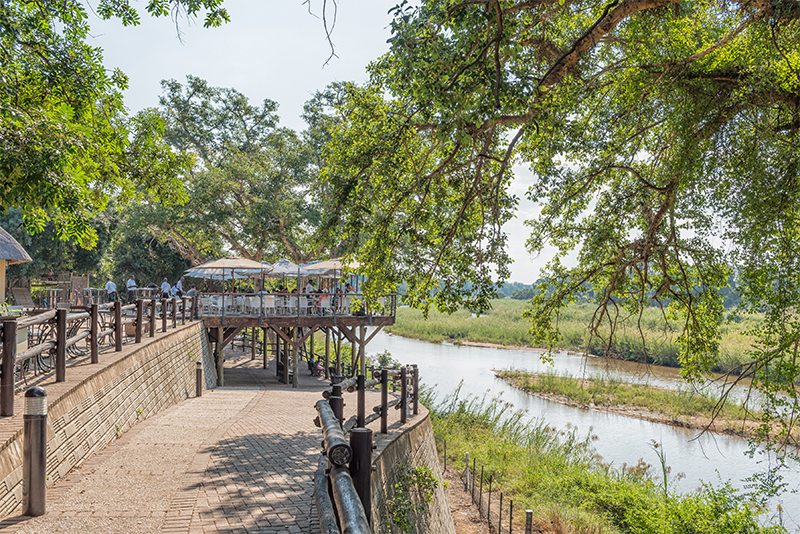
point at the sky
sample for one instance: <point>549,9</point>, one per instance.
<point>276,50</point>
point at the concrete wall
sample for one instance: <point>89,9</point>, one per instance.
<point>83,421</point>
<point>415,446</point>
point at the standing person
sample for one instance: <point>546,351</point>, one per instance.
<point>165,289</point>
<point>179,287</point>
<point>131,285</point>
<point>111,290</point>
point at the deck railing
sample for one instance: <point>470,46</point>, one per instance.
<point>53,335</point>
<point>293,305</point>
<point>345,467</point>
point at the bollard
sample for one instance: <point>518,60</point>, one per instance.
<point>466,480</point>
<point>34,452</point>
<point>199,380</point>
<point>403,395</point>
<point>361,416</point>
<point>384,401</point>
<point>528,521</point>
<point>361,466</point>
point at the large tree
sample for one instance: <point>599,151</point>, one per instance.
<point>663,135</point>
<point>252,190</point>
<point>67,145</point>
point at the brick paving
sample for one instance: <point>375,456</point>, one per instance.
<point>240,459</point>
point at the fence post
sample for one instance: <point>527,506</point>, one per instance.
<point>466,480</point>
<point>528,521</point>
<point>152,317</point>
<point>193,315</point>
<point>34,452</point>
<point>119,331</point>
<point>61,345</point>
<point>384,401</point>
<point>480,494</point>
<point>361,465</point>
<point>361,416</point>
<point>174,312</point>
<point>183,310</point>
<point>93,323</point>
<point>403,394</point>
<point>415,371</point>
<point>510,513</point>
<point>474,471</point>
<point>335,400</point>
<point>8,365</point>
<point>163,315</point>
<point>139,316</point>
<point>500,515</point>
<point>489,500</point>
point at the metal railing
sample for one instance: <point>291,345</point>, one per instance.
<point>54,334</point>
<point>343,474</point>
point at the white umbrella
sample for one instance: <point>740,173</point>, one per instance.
<point>214,274</point>
<point>334,264</point>
<point>231,263</point>
<point>288,268</point>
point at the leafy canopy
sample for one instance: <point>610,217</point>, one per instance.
<point>663,135</point>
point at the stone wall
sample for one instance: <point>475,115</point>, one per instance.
<point>96,411</point>
<point>414,447</point>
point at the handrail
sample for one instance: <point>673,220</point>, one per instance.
<point>350,486</point>
<point>63,323</point>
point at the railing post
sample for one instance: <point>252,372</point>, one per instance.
<point>152,317</point>
<point>174,312</point>
<point>119,331</point>
<point>8,365</point>
<point>384,400</point>
<point>361,416</point>
<point>336,401</point>
<point>361,465</point>
<point>253,336</point>
<point>61,345</point>
<point>34,452</point>
<point>163,315</point>
<point>403,394</point>
<point>415,371</point>
<point>94,316</point>
<point>139,315</point>
<point>194,308</point>
<point>183,310</point>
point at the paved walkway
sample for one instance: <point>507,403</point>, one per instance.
<point>239,459</point>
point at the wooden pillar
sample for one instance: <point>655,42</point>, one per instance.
<point>253,338</point>
<point>119,331</point>
<point>295,357</point>
<point>285,360</point>
<point>139,316</point>
<point>93,331</point>
<point>311,346</point>
<point>353,355</point>
<point>152,317</point>
<point>361,351</point>
<point>327,351</point>
<point>338,369</point>
<point>220,359</point>
<point>264,346</point>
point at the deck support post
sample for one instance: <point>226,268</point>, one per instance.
<point>220,360</point>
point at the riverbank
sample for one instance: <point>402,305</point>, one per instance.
<point>503,326</point>
<point>685,409</point>
<point>558,476</point>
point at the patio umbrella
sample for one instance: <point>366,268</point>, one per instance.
<point>231,263</point>
<point>334,264</point>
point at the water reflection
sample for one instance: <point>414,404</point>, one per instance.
<point>620,440</point>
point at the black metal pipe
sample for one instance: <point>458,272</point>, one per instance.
<point>351,512</point>
<point>336,447</point>
<point>325,511</point>
<point>34,452</point>
<point>361,466</point>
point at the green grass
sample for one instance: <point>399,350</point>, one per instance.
<point>671,404</point>
<point>558,476</point>
<point>504,325</point>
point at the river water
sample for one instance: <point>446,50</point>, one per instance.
<point>712,458</point>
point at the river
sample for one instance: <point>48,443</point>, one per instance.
<point>620,440</point>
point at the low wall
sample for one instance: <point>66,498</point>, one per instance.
<point>83,421</point>
<point>414,447</point>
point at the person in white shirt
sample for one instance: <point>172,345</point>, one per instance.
<point>179,286</point>
<point>131,285</point>
<point>165,289</point>
<point>111,290</point>
<point>310,287</point>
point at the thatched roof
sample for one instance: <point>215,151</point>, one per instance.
<point>10,250</point>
